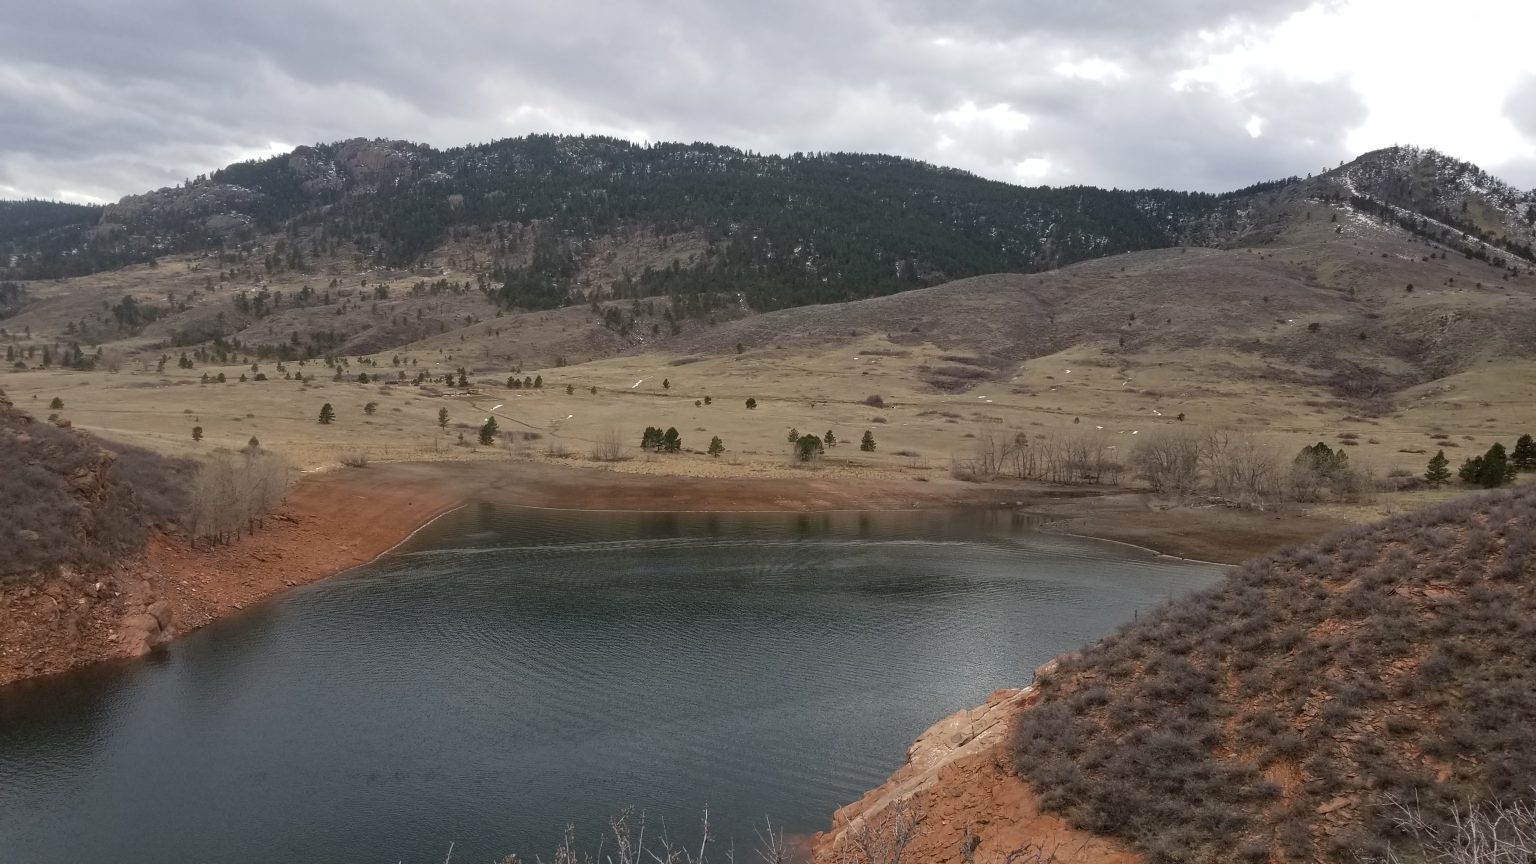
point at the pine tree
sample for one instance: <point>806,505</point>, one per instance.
<point>830,438</point>
<point>370,408</point>
<point>1438,471</point>
<point>751,403</point>
<point>327,413</point>
<point>716,446</point>
<point>671,441</point>
<point>197,433</point>
<point>57,404</point>
<point>488,432</point>
<point>570,389</point>
<point>1489,470</point>
<point>1524,455</point>
<point>666,384</point>
<point>794,435</point>
<point>442,419</point>
<point>538,383</point>
<point>867,443</point>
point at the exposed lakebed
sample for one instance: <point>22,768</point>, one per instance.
<point>510,671</point>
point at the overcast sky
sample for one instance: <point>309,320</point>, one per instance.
<point>101,98</point>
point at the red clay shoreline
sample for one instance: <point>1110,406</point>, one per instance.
<point>343,518</point>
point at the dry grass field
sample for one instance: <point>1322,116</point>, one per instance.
<point>1313,336</point>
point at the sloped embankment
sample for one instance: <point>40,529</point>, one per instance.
<point>1275,716</point>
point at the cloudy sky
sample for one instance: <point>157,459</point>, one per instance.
<point>101,98</point>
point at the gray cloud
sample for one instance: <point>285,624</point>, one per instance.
<point>102,98</point>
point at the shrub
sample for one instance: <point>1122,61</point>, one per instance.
<point>808,448</point>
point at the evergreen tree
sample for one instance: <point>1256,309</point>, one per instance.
<point>538,383</point>
<point>867,443</point>
<point>751,403</point>
<point>488,432</point>
<point>1438,471</point>
<point>716,446</point>
<point>327,413</point>
<point>370,408</point>
<point>197,433</point>
<point>442,419</point>
<point>794,435</point>
<point>808,447</point>
<point>830,438</point>
<point>1523,457</point>
<point>650,440</point>
<point>671,441</point>
<point>708,400</point>
<point>570,389</point>
<point>666,384</point>
<point>57,404</point>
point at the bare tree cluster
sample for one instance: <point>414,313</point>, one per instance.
<point>1086,457</point>
<point>235,490</point>
<point>1242,468</point>
<point>609,446</point>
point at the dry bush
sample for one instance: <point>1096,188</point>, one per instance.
<point>355,459</point>
<point>609,446</point>
<point>1162,734</point>
<point>1501,832</point>
<point>72,499</point>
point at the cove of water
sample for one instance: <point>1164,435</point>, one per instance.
<point>511,671</point>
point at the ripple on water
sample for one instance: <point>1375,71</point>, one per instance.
<point>513,671</point>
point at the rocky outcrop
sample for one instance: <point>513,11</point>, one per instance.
<point>956,799</point>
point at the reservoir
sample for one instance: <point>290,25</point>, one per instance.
<point>508,672</point>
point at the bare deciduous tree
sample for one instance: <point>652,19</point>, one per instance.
<point>1169,460</point>
<point>231,490</point>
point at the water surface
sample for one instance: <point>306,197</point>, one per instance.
<point>510,671</point>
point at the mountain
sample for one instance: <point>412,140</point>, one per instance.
<point>781,230</point>
<point>1354,289</point>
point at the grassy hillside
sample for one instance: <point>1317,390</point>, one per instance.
<point>1276,716</point>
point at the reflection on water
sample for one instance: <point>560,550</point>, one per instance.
<point>511,671</point>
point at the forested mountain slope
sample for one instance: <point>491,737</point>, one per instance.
<point>782,230</point>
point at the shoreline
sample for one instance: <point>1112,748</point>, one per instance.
<point>336,520</point>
